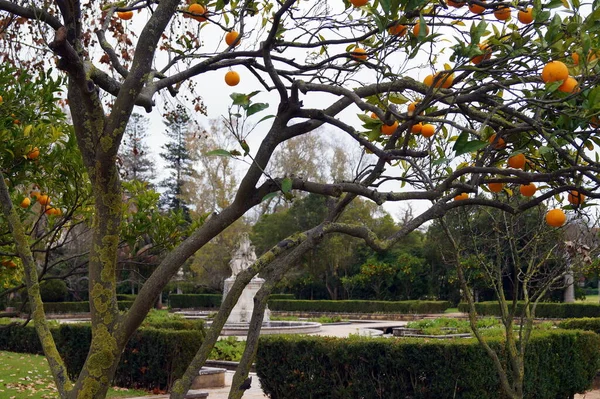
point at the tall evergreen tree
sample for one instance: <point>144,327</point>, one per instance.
<point>135,162</point>
<point>178,158</point>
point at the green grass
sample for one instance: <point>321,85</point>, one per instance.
<point>28,376</point>
<point>451,310</point>
<point>590,299</point>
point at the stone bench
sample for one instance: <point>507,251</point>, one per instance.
<point>209,377</point>
<point>196,395</point>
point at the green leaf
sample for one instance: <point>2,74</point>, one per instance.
<point>397,98</point>
<point>412,5</point>
<point>269,196</point>
<point>386,5</point>
<point>219,153</point>
<point>254,108</point>
<point>264,118</point>
<point>240,99</point>
<point>440,161</point>
<point>463,145</point>
<point>286,185</point>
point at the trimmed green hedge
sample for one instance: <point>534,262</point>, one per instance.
<point>558,364</point>
<point>359,306</point>
<point>585,323</point>
<point>185,301</point>
<point>153,358</point>
<point>544,309</point>
<point>72,307</point>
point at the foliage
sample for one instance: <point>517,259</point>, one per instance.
<point>53,290</point>
<point>558,364</point>
<point>358,306</point>
<point>186,301</point>
<point>543,309</point>
<point>229,349</point>
<point>584,323</point>
<point>135,161</point>
<point>74,307</point>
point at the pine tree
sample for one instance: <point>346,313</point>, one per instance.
<point>135,163</point>
<point>178,158</point>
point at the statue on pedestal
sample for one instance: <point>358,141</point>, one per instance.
<point>243,256</point>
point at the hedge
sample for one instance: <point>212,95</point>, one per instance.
<point>72,307</point>
<point>153,358</point>
<point>585,323</point>
<point>359,306</point>
<point>185,301</point>
<point>558,364</point>
<point>544,309</point>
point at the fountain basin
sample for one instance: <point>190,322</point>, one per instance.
<point>272,327</point>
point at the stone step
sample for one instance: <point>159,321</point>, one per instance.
<point>209,377</point>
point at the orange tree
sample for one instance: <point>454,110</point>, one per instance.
<point>483,98</point>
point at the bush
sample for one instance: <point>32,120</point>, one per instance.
<point>53,290</point>
<point>153,358</point>
<point>73,307</point>
<point>126,297</point>
<point>359,306</point>
<point>543,309</point>
<point>282,296</point>
<point>558,364</point>
<point>186,301</point>
<point>586,323</point>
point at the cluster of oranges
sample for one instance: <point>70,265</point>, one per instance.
<point>44,200</point>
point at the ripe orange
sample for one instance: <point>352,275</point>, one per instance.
<point>462,196</point>
<point>359,3</point>
<point>43,199</point>
<point>125,15</point>
<point>556,217</point>
<point>498,144</point>
<point>25,203</point>
<point>417,29</point>
<point>374,115</point>
<point>34,193</point>
<point>410,110</point>
<point>517,161</point>
<point>527,190</point>
<point>495,187</point>
<point>569,85</point>
<point>428,81</point>
<point>34,153</point>
<point>554,71</point>
<point>487,54</point>
<point>1,100</point>
<point>502,13</point>
<point>416,128</point>
<point>359,54</point>
<point>476,8</point>
<point>428,130</point>
<point>232,78</point>
<point>444,79</point>
<point>525,16</point>
<point>199,11</point>
<point>232,37</point>
<point>575,197</point>
<point>455,4</point>
<point>9,263</point>
<point>398,30</point>
<point>388,130</point>
<point>575,58</point>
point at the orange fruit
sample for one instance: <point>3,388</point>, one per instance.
<point>199,11</point>
<point>427,130</point>
<point>417,29</point>
<point>517,161</point>
<point>34,153</point>
<point>455,4</point>
<point>476,8</point>
<point>398,30</point>
<point>374,115</point>
<point>25,203</point>
<point>525,16</point>
<point>428,81</point>
<point>502,13</point>
<point>575,197</point>
<point>487,54</point>
<point>416,128</point>
<point>125,15</point>
<point>232,37</point>
<point>388,130</point>
<point>569,85</point>
<point>34,193</point>
<point>527,190</point>
<point>9,263</point>
<point>554,71</point>
<point>444,79</point>
<point>232,78</point>
<point>462,196</point>
<point>595,122</point>
<point>498,144</point>
<point>575,58</point>
<point>43,199</point>
<point>495,187</point>
<point>1,100</point>
<point>359,54</point>
<point>410,110</point>
<point>556,217</point>
<point>359,3</point>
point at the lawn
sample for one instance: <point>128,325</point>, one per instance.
<point>590,299</point>
<point>28,376</point>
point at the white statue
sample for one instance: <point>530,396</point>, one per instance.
<point>243,256</point>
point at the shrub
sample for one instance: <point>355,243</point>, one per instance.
<point>126,297</point>
<point>543,309</point>
<point>358,306</point>
<point>282,296</point>
<point>585,323</point>
<point>72,307</point>
<point>53,290</point>
<point>558,364</point>
<point>185,301</point>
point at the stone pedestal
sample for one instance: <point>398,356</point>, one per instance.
<point>209,377</point>
<point>242,311</point>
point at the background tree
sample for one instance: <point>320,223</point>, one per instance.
<point>134,155</point>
